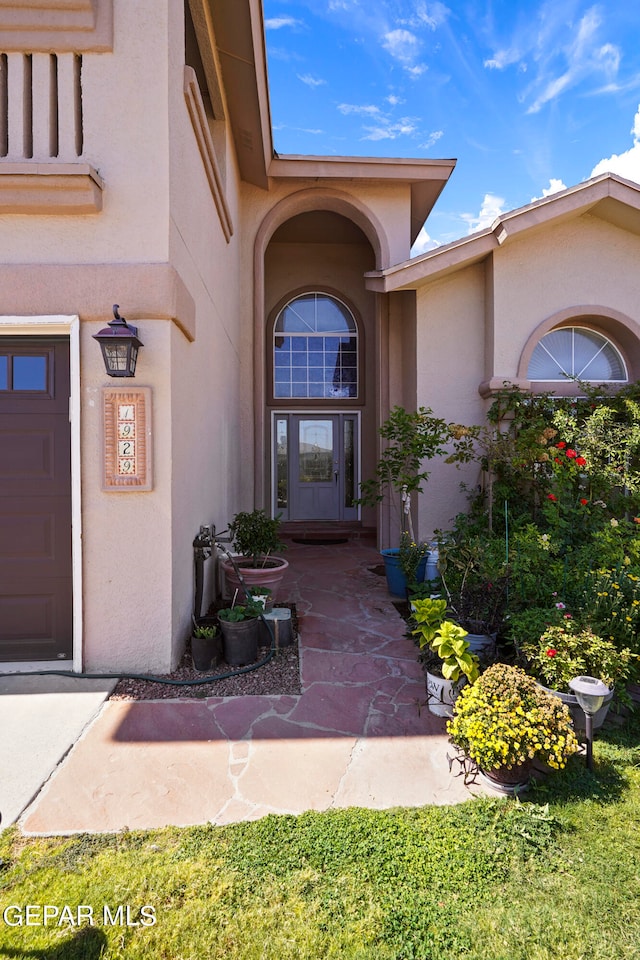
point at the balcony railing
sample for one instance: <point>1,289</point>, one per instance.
<point>41,106</point>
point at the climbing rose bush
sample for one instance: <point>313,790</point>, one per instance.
<point>505,719</point>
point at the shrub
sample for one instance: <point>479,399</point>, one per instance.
<point>505,719</point>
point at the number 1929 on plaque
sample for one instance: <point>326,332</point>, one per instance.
<point>127,438</point>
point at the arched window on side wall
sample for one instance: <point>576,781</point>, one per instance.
<point>576,352</point>
<point>315,350</point>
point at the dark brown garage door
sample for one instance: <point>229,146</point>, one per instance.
<point>35,500</point>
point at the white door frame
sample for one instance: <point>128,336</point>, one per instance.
<point>60,326</point>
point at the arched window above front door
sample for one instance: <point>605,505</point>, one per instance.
<point>315,350</point>
<point>579,353</point>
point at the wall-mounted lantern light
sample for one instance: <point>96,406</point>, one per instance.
<point>590,694</point>
<point>119,344</point>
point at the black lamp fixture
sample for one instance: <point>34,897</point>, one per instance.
<point>119,344</point>
<point>590,694</point>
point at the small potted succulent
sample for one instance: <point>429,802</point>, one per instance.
<point>240,632</point>
<point>505,721</point>
<point>564,652</point>
<point>255,536</point>
<point>205,644</point>
<point>448,661</point>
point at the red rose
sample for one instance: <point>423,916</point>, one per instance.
<point>584,502</point>
<point>557,459</point>
<point>571,454</point>
<point>551,652</point>
<point>580,461</point>
<point>551,496</point>
<point>561,445</point>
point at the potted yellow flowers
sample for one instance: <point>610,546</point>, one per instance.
<point>505,721</point>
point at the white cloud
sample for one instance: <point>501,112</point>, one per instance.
<point>390,131</point>
<point>367,110</point>
<point>431,139</point>
<point>311,81</point>
<point>422,244</point>
<point>431,15</point>
<point>555,186</point>
<point>503,58</point>
<point>394,100</point>
<point>584,57</point>
<point>492,207</point>
<point>625,164</point>
<point>558,53</point>
<point>401,44</point>
<point>276,23</point>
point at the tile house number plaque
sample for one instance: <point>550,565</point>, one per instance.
<point>127,438</point>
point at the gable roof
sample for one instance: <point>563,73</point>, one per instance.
<point>608,196</point>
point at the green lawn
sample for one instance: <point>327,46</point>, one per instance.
<point>557,876</point>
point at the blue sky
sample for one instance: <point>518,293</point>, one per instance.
<point>529,96</point>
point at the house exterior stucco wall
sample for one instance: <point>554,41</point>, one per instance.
<point>450,361</point>
<point>586,261</point>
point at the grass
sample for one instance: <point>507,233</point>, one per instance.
<point>556,876</point>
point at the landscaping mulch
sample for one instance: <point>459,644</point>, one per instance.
<point>281,675</point>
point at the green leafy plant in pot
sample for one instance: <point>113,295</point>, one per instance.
<point>448,661</point>
<point>255,536</point>
<point>240,632</point>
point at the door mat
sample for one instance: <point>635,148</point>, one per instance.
<point>320,541</point>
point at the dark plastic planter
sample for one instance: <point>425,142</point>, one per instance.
<point>240,641</point>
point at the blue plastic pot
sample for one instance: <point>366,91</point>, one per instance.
<point>396,580</point>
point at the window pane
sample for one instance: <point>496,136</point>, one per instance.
<point>315,451</point>
<point>316,345</point>
<point>282,463</point>
<point>29,373</point>
<point>349,464</point>
<point>4,372</point>
<point>576,352</point>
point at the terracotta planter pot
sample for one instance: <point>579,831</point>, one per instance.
<point>508,781</point>
<point>271,575</point>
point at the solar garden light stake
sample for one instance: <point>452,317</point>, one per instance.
<point>590,694</point>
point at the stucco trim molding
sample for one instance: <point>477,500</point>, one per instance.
<point>198,117</point>
<point>49,188</point>
<point>150,291</point>
<point>489,387</point>
<point>81,26</point>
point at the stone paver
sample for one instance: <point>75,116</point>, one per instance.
<point>358,735</point>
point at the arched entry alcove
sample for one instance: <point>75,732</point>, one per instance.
<point>320,340</point>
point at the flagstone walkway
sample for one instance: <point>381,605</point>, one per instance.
<point>359,735</point>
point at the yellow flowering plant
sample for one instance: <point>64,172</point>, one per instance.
<point>611,604</point>
<point>505,719</point>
